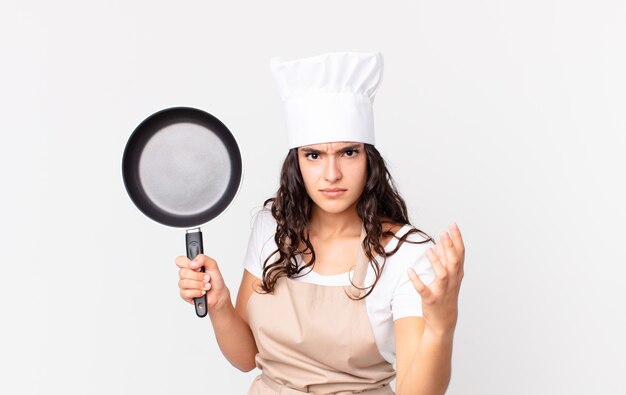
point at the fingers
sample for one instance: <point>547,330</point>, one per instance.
<point>186,283</point>
<point>182,262</point>
<point>449,252</point>
<point>193,283</point>
<point>420,287</point>
<point>192,275</point>
<point>457,240</point>
<point>446,259</point>
<point>205,261</point>
<point>190,288</point>
<point>197,263</point>
<point>189,294</point>
<point>459,248</point>
<point>439,250</point>
<point>438,266</point>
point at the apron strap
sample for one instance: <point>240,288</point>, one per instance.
<point>362,264</point>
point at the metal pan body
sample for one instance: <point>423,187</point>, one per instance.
<point>182,167</point>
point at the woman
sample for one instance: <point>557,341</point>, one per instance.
<point>330,297</point>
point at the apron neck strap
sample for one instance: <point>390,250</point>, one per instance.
<point>361,267</point>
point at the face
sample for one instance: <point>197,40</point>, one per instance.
<point>334,174</point>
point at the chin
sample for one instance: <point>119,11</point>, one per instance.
<point>334,207</point>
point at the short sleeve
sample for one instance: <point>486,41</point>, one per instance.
<point>260,233</point>
<point>406,301</point>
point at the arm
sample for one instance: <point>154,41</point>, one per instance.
<point>230,324</point>
<point>232,331</point>
<point>425,343</point>
<point>423,358</point>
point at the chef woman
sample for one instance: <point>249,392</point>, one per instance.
<point>339,294</point>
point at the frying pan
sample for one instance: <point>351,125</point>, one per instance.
<point>182,168</point>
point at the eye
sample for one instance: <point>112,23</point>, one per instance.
<point>351,152</point>
<point>311,154</point>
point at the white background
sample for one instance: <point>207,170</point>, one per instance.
<point>507,117</point>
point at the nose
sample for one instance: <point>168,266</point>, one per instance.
<point>332,172</point>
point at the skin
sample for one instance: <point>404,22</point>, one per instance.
<point>423,344</point>
<point>335,225</point>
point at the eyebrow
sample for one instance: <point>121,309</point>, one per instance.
<point>344,149</point>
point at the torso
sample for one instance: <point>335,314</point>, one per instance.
<point>382,309</point>
<point>296,326</point>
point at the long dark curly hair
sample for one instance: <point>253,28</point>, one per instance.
<point>379,203</point>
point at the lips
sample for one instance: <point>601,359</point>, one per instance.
<point>333,192</point>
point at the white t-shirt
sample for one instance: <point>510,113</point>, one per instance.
<point>393,297</point>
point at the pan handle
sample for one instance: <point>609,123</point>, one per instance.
<point>193,239</point>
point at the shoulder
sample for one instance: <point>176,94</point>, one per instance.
<point>411,244</point>
<point>408,249</point>
<point>406,231</point>
<point>262,226</point>
<point>263,219</point>
<point>261,241</point>
<point>415,235</point>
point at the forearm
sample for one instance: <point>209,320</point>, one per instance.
<point>430,369</point>
<point>234,336</point>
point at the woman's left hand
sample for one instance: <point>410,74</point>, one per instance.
<point>440,298</point>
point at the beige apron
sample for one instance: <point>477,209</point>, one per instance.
<point>314,339</point>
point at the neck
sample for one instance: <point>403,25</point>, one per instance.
<point>327,225</point>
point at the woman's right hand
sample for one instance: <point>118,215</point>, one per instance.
<point>193,283</point>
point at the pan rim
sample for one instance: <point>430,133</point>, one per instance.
<point>134,147</point>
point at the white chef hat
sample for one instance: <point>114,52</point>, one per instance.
<point>329,97</point>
